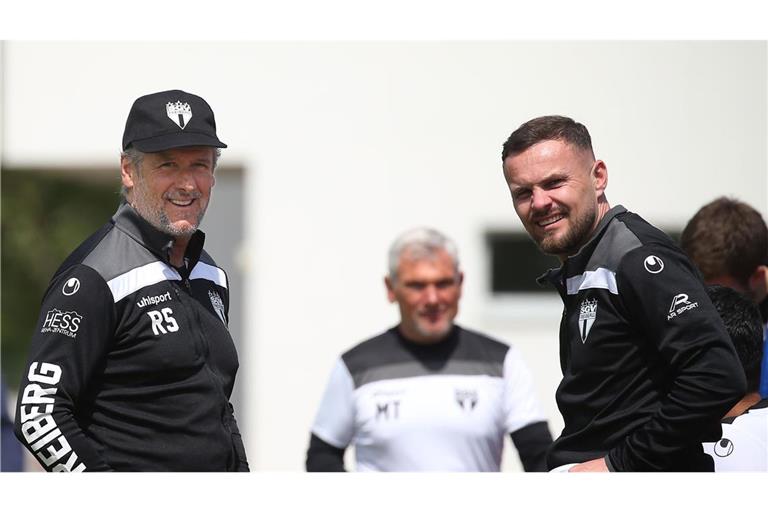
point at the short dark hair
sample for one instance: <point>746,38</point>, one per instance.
<point>726,237</point>
<point>742,321</point>
<point>547,128</point>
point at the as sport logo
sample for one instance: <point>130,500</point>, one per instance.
<point>680,304</point>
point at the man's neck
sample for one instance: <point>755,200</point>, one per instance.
<point>178,249</point>
<point>745,403</point>
<point>417,339</point>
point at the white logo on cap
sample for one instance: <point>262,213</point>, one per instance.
<point>653,264</point>
<point>71,287</point>
<point>180,113</point>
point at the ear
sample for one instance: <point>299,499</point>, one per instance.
<point>390,289</point>
<point>600,177</point>
<point>758,283</point>
<point>461,281</point>
<point>127,172</point>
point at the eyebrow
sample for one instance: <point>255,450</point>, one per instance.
<point>553,176</point>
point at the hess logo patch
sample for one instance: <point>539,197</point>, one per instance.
<point>62,322</point>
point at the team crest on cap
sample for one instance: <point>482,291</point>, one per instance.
<point>180,113</point>
<point>587,315</point>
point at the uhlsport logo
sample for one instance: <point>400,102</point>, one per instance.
<point>71,286</point>
<point>723,447</point>
<point>466,398</point>
<point>653,264</point>
<point>587,315</point>
<point>152,300</point>
<point>680,304</point>
<point>180,113</point>
<point>62,322</point>
<point>218,304</point>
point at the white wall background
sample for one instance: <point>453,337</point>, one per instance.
<point>346,144</point>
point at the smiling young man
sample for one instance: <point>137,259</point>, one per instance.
<point>427,395</point>
<point>648,369</point>
<point>131,364</point>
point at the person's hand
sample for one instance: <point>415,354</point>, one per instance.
<point>594,465</point>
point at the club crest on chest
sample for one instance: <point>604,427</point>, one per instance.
<point>466,398</point>
<point>587,315</point>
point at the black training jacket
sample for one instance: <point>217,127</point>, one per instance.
<point>648,368</point>
<point>131,364</point>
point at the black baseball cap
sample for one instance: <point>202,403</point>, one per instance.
<point>170,119</point>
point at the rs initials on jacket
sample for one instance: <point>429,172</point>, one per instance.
<point>163,321</point>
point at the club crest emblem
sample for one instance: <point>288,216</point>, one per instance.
<point>587,316</point>
<point>180,113</point>
<point>466,398</point>
<point>218,304</point>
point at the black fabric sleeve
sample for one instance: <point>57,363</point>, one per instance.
<point>702,378</point>
<point>66,355</point>
<point>322,456</point>
<point>532,442</point>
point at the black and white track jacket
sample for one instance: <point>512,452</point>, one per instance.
<point>648,368</point>
<point>131,364</point>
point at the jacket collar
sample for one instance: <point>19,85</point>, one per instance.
<point>128,220</point>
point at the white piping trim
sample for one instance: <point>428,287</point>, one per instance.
<point>209,272</point>
<point>140,277</point>
<point>600,278</point>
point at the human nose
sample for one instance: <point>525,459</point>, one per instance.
<point>540,200</point>
<point>430,294</point>
<point>185,179</point>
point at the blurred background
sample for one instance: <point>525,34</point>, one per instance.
<point>337,147</point>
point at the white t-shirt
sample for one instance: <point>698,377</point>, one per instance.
<point>405,409</point>
<point>744,444</point>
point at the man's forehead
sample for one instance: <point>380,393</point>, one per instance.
<point>544,160</point>
<point>412,262</point>
<point>200,152</point>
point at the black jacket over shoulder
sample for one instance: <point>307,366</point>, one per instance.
<point>648,368</point>
<point>131,364</point>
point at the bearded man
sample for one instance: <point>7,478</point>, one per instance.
<point>131,364</point>
<point>648,368</point>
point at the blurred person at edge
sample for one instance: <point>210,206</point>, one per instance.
<point>744,443</point>
<point>728,240</point>
<point>648,369</point>
<point>427,394</point>
<point>131,364</point>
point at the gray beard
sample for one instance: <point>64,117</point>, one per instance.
<point>166,227</point>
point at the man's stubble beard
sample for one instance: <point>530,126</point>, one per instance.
<point>573,239</point>
<point>156,216</point>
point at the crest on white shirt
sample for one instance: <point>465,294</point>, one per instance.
<point>466,398</point>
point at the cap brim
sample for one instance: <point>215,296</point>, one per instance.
<point>176,140</point>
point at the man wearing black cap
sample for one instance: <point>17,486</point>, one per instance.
<point>131,364</point>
